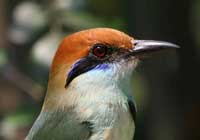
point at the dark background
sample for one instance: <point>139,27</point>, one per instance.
<point>166,85</point>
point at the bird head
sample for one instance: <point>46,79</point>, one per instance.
<point>96,58</point>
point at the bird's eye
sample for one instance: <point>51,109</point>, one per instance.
<point>100,50</point>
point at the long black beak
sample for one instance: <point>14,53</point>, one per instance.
<point>145,47</point>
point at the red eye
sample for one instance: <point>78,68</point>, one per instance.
<point>100,51</point>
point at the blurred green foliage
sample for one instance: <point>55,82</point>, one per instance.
<point>34,29</point>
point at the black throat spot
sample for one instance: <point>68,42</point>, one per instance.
<point>132,108</point>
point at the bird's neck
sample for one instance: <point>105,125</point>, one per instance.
<point>90,95</point>
<point>94,83</point>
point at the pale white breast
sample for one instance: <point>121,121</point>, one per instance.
<point>105,106</point>
<point>100,97</point>
<point>125,127</point>
<point>115,123</point>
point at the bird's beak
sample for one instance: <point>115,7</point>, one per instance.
<point>145,47</point>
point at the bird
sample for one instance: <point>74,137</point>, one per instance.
<point>89,93</point>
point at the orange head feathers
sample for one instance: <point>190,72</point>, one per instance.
<point>77,45</point>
